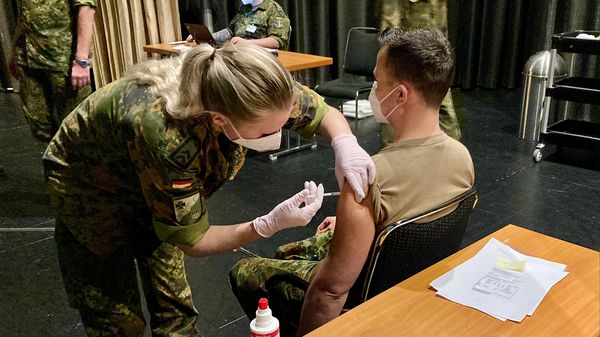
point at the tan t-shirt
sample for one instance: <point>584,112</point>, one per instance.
<point>416,175</point>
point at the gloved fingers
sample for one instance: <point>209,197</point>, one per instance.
<point>312,191</point>
<point>357,183</point>
<point>312,208</point>
<point>296,200</point>
<point>372,173</point>
<point>339,175</point>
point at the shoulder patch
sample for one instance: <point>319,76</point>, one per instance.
<point>184,154</point>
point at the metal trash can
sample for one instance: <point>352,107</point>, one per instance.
<point>535,80</point>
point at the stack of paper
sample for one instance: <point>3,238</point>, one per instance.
<point>364,109</point>
<point>500,282</point>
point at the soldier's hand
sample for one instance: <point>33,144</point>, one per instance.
<point>13,68</point>
<point>238,40</point>
<point>353,164</point>
<point>80,77</point>
<point>327,225</point>
<point>289,214</point>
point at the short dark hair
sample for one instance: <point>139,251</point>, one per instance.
<point>422,57</point>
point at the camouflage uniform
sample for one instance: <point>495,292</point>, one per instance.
<point>44,53</point>
<point>420,14</point>
<point>269,19</point>
<point>248,278</point>
<point>127,180</point>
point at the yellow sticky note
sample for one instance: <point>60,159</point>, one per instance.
<point>511,264</point>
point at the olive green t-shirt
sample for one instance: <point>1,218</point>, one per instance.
<point>416,175</point>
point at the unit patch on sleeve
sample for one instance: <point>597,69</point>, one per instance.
<point>188,209</point>
<point>185,153</point>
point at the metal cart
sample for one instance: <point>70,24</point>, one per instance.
<point>568,132</point>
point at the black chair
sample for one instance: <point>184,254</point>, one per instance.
<point>407,247</point>
<point>359,59</point>
<point>403,249</point>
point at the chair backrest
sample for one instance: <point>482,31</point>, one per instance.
<point>361,51</point>
<point>405,248</point>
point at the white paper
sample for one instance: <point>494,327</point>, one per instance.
<point>502,293</point>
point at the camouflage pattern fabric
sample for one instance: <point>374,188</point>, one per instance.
<point>47,99</point>
<point>120,168</point>
<point>265,20</point>
<point>47,33</point>
<point>104,288</point>
<point>420,14</point>
<point>249,277</point>
<point>44,53</point>
<point>414,14</point>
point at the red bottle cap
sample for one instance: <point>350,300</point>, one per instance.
<point>263,303</point>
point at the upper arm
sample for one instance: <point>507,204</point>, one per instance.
<point>278,28</point>
<point>352,239</point>
<point>308,111</point>
<point>179,212</point>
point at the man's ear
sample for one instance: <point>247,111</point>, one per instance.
<point>402,93</point>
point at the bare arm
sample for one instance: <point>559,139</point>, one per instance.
<point>219,239</point>
<point>334,124</point>
<point>349,249</point>
<point>80,76</point>
<point>266,42</point>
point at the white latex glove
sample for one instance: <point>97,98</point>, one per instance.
<point>354,164</point>
<point>289,214</point>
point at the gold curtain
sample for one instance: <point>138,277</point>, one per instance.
<point>123,27</point>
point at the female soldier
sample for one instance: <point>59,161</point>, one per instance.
<point>130,168</point>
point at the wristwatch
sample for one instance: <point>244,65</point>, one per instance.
<point>81,62</point>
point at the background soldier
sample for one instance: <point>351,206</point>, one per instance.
<point>52,60</point>
<point>261,22</point>
<point>408,14</point>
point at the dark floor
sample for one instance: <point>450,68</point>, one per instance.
<point>551,197</point>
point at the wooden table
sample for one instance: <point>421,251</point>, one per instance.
<point>411,308</point>
<point>292,61</point>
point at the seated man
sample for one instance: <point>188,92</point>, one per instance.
<point>422,169</point>
<point>261,22</point>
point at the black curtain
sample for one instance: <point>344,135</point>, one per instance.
<point>494,38</point>
<point>318,26</point>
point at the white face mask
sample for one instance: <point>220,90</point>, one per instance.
<point>248,2</point>
<point>262,144</point>
<point>376,105</point>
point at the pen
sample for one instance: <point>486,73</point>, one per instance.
<point>329,194</point>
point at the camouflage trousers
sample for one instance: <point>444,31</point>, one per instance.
<point>47,99</point>
<point>104,288</point>
<point>448,122</point>
<point>251,278</point>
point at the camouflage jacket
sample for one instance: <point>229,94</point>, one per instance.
<point>414,14</point>
<point>265,20</point>
<point>119,155</point>
<point>47,30</point>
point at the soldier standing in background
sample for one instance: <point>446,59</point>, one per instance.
<point>408,14</point>
<point>261,22</point>
<point>52,60</point>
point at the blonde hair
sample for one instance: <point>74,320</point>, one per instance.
<point>242,82</point>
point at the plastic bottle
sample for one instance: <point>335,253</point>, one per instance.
<point>264,325</point>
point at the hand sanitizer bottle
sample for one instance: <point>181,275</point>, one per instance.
<point>264,325</point>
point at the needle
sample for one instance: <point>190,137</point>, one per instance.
<point>329,194</point>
